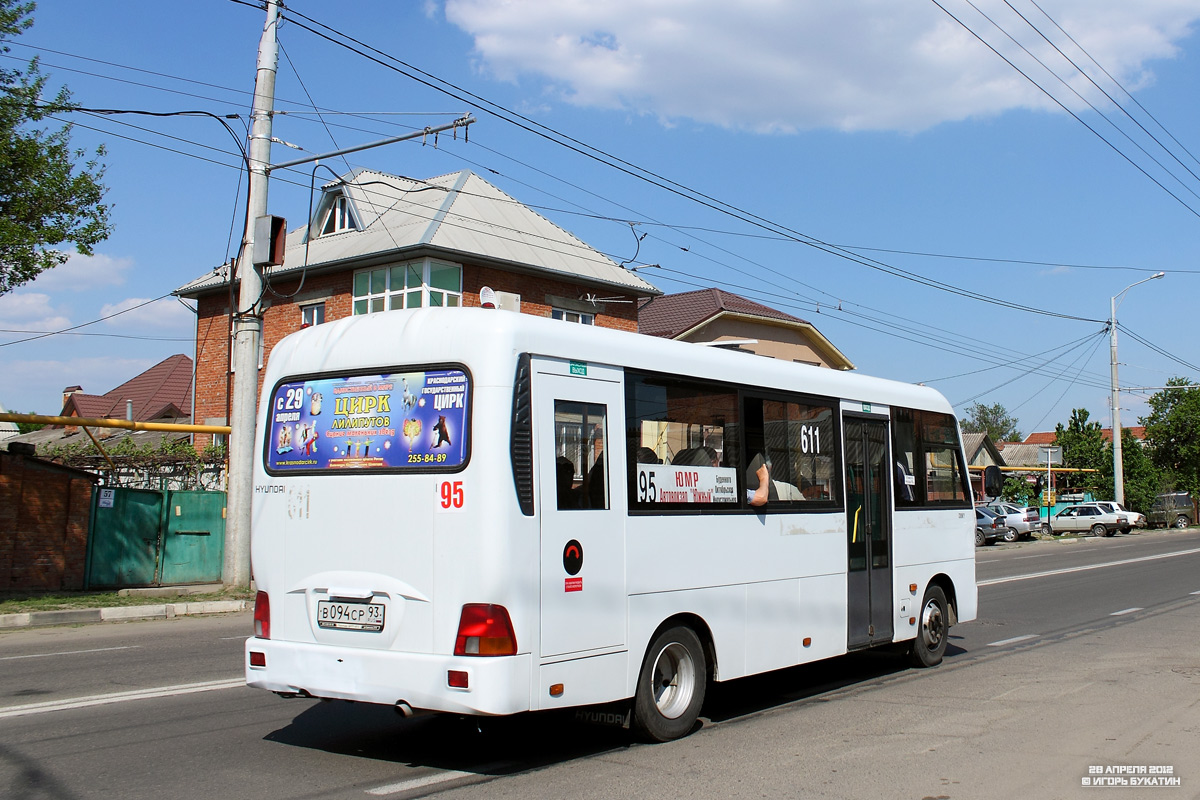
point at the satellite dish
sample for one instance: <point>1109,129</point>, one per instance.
<point>487,298</point>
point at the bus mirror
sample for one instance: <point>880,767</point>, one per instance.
<point>993,481</point>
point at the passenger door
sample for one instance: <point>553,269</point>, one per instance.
<point>868,532</point>
<point>580,449</point>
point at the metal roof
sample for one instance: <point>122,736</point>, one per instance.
<point>459,215</point>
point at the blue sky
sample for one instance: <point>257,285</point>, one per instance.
<point>887,129</point>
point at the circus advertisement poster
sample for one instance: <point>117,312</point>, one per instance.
<point>398,421</point>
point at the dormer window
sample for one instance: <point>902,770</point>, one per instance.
<point>339,216</point>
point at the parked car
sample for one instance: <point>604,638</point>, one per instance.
<point>1132,518</point>
<point>1084,517</point>
<point>1019,522</point>
<point>1174,509</point>
<point>988,526</point>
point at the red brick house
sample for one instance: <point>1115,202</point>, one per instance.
<point>379,242</point>
<point>716,317</point>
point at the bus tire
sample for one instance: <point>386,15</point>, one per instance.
<point>671,685</point>
<point>933,629</point>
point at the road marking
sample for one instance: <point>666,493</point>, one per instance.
<point>1125,611</point>
<point>71,652</point>
<point>1013,640</point>
<point>1194,592</point>
<point>419,783</point>
<point>119,697</point>
<point>1086,568</point>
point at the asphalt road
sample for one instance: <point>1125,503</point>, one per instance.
<point>1085,657</point>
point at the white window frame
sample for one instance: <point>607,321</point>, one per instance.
<point>339,217</point>
<point>388,288</point>
<point>316,309</point>
<point>567,315</point>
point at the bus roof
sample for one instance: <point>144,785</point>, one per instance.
<point>489,340</point>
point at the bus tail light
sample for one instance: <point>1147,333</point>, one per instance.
<point>262,615</point>
<point>485,629</point>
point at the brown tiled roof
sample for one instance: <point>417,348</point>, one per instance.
<point>1047,437</point>
<point>164,390</point>
<point>672,314</point>
<point>1043,437</point>
<point>1138,431</point>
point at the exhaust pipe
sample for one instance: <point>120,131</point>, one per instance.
<point>404,709</point>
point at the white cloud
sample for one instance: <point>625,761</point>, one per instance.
<point>29,311</point>
<point>166,316</point>
<point>84,274</point>
<point>786,65</point>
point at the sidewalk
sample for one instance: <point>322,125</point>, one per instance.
<point>166,610</point>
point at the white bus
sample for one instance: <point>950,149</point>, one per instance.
<point>481,512</point>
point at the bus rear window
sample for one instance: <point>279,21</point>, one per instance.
<point>397,422</point>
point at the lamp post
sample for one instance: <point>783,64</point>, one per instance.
<point>1118,464</point>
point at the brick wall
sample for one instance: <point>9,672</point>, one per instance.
<point>282,317</point>
<point>44,515</point>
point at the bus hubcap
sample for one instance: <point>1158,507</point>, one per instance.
<point>674,680</point>
<point>931,624</point>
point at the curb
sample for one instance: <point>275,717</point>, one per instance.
<point>83,616</point>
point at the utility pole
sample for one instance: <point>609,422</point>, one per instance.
<point>1118,458</point>
<point>247,319</point>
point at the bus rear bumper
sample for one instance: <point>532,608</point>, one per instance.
<point>494,685</point>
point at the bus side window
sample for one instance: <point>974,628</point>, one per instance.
<point>580,436</point>
<point>797,439</point>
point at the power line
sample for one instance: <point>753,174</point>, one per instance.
<point>85,324</point>
<point>1058,102</point>
<point>648,176</point>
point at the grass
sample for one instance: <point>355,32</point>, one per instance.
<point>21,602</point>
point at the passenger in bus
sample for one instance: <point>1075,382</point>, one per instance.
<point>759,487</point>
<point>904,483</point>
<point>696,457</point>
<point>568,495</point>
<point>647,456</point>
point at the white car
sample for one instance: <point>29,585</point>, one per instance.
<point>1132,518</point>
<point>1019,522</point>
<point>1084,517</point>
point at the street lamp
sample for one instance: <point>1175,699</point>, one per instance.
<point>1118,465</point>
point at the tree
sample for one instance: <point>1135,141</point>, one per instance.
<point>28,427</point>
<point>1084,448</point>
<point>1173,434</point>
<point>1020,491</point>
<point>1142,478</point>
<point>49,194</point>
<point>993,420</point>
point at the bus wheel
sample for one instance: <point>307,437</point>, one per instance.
<point>930,644</point>
<point>670,688</point>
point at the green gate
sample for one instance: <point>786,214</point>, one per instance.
<point>143,537</point>
<point>194,545</point>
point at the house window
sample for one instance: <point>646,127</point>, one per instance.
<point>573,316</point>
<point>339,217</point>
<point>412,285</point>
<point>312,315</point>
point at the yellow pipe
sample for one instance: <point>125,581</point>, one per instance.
<point>86,422</point>
<point>1039,470</point>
